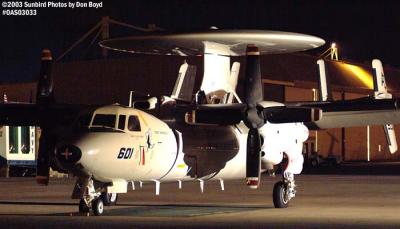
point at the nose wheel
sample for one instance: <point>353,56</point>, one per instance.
<point>95,199</point>
<point>98,206</point>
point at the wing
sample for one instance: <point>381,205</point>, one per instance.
<point>351,113</point>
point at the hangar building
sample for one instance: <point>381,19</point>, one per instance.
<point>286,78</point>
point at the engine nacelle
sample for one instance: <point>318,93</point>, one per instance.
<point>280,138</point>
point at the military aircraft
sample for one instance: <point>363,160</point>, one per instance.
<point>214,134</point>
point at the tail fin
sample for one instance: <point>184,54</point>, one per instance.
<point>391,137</point>
<point>380,92</point>
<point>380,88</point>
<point>184,84</point>
<point>44,92</point>
<point>233,80</point>
<point>325,93</point>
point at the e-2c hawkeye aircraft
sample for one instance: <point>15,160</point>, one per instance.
<point>176,138</point>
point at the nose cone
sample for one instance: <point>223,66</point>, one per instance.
<point>68,154</point>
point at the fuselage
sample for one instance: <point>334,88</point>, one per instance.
<point>123,143</point>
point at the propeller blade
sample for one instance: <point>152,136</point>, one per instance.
<point>253,159</point>
<point>44,98</point>
<point>45,84</point>
<point>43,165</point>
<point>226,114</point>
<point>253,92</point>
<point>283,114</point>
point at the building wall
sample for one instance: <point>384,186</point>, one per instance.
<point>109,81</point>
<point>20,92</point>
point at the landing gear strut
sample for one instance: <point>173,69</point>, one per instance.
<point>284,191</point>
<point>93,195</point>
<point>91,199</point>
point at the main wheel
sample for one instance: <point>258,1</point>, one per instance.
<point>83,208</point>
<point>109,198</point>
<point>279,195</point>
<point>98,206</point>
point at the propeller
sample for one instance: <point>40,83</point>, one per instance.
<point>44,99</point>
<point>253,112</point>
<point>253,94</point>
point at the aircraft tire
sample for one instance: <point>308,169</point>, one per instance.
<point>109,198</point>
<point>98,206</point>
<point>278,195</point>
<point>83,208</point>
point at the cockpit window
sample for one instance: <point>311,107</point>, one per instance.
<point>121,122</point>
<point>104,120</point>
<point>133,123</point>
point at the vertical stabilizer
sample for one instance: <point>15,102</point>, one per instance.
<point>232,81</point>
<point>380,89</point>
<point>380,92</point>
<point>390,137</point>
<point>217,71</point>
<point>184,84</point>
<point>325,93</point>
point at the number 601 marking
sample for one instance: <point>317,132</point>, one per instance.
<point>125,153</point>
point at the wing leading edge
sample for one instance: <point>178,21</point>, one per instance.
<point>352,113</point>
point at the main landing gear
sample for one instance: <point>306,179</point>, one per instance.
<point>96,200</point>
<point>284,191</point>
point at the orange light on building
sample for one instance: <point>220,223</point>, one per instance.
<point>364,76</point>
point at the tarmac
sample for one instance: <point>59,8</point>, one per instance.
<point>339,200</point>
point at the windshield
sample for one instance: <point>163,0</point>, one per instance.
<point>104,120</point>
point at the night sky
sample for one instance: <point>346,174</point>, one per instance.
<point>362,29</point>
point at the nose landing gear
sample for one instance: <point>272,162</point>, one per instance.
<point>94,199</point>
